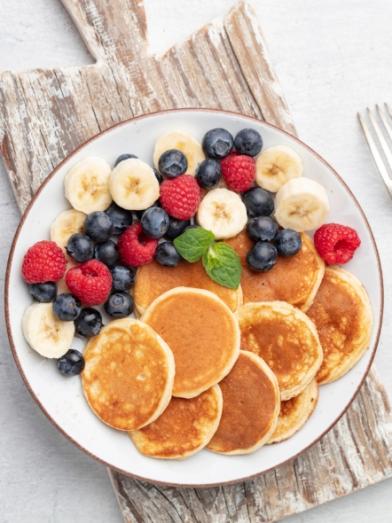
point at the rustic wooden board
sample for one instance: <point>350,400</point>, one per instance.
<point>45,114</point>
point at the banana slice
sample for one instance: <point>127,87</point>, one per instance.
<point>66,224</point>
<point>45,333</point>
<point>185,143</point>
<point>86,185</point>
<point>222,212</point>
<point>277,165</point>
<point>301,204</point>
<point>134,185</point>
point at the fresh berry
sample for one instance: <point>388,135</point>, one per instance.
<point>123,278</point>
<point>167,255</point>
<point>44,261</point>
<point>172,163</point>
<point>90,282</point>
<point>262,228</point>
<point>208,173</point>
<point>89,322</point>
<point>217,143</point>
<point>258,202</point>
<point>176,227</point>
<point>98,226</point>
<point>239,172</point>
<point>155,222</point>
<point>335,243</point>
<point>71,364</point>
<point>134,248</point>
<point>122,157</point>
<point>107,253</point>
<point>119,305</point>
<point>43,292</point>
<point>158,175</point>
<point>180,197</point>
<point>248,141</point>
<point>288,242</point>
<point>80,247</point>
<point>121,219</point>
<point>66,307</point>
<point>262,256</point>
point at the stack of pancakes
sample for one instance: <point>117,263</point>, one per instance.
<point>230,370</point>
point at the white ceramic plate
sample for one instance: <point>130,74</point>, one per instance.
<point>62,399</point>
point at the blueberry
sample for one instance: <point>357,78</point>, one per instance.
<point>176,227</point>
<point>66,307</point>
<point>71,364</point>
<point>288,242</point>
<point>248,141</point>
<point>122,157</point>
<point>121,219</point>
<point>89,322</point>
<point>262,256</point>
<point>167,255</point>
<point>122,278</point>
<point>172,163</point>
<point>80,247</point>
<point>217,143</point>
<point>119,305</point>
<point>98,226</point>
<point>262,228</point>
<point>155,222</point>
<point>208,173</point>
<point>258,202</point>
<point>107,253</point>
<point>158,175</point>
<point>43,292</point>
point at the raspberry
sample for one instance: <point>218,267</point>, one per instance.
<point>43,262</point>
<point>90,282</point>
<point>336,243</point>
<point>239,172</point>
<point>134,248</point>
<point>180,197</point>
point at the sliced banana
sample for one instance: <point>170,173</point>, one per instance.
<point>222,212</point>
<point>134,185</point>
<point>66,224</point>
<point>86,185</point>
<point>277,165</point>
<point>185,143</point>
<point>45,333</point>
<point>301,204</point>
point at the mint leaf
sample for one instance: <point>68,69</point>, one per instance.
<point>193,243</point>
<point>223,265</point>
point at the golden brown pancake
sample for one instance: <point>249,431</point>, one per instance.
<point>203,334</point>
<point>294,279</point>
<point>295,412</point>
<point>184,428</point>
<point>153,279</point>
<point>286,340</point>
<point>342,314</point>
<point>129,374</point>
<point>251,406</point>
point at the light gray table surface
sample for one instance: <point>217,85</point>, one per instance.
<point>333,58</point>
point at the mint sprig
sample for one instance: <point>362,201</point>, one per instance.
<point>193,243</point>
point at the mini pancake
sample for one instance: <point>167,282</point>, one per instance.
<point>294,279</point>
<point>295,412</point>
<point>251,406</point>
<point>153,279</point>
<point>342,314</point>
<point>286,339</point>
<point>185,427</point>
<point>128,376</point>
<point>203,334</point>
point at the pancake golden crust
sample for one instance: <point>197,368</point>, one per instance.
<point>203,334</point>
<point>153,279</point>
<point>287,341</point>
<point>295,412</point>
<point>128,376</point>
<point>184,428</point>
<point>295,279</point>
<point>342,314</point>
<point>251,404</point>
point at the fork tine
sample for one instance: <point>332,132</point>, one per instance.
<point>381,138</point>
<point>387,125</point>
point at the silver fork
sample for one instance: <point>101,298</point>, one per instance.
<point>377,127</point>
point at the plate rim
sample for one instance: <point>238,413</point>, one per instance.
<point>11,259</point>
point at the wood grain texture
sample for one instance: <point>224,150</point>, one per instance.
<point>45,114</point>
